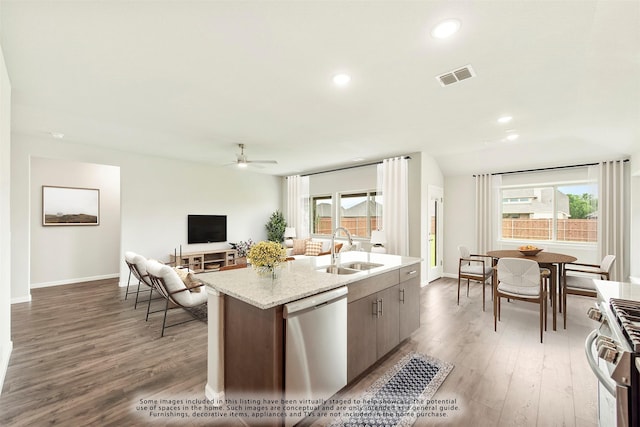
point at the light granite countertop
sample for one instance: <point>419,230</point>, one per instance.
<point>609,289</point>
<point>298,279</point>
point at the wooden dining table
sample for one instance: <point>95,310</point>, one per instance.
<point>553,261</point>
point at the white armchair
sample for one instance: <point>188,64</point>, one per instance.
<point>176,293</point>
<point>138,268</point>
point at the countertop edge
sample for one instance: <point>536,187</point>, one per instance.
<point>333,281</point>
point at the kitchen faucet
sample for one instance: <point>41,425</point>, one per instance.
<point>333,244</point>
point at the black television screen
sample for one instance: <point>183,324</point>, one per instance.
<point>207,228</point>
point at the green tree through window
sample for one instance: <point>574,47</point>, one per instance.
<point>580,207</point>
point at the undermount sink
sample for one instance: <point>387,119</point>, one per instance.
<point>361,266</point>
<point>351,268</point>
<point>334,269</point>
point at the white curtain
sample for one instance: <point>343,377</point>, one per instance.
<point>395,212</point>
<point>298,205</point>
<point>612,207</point>
<point>487,211</point>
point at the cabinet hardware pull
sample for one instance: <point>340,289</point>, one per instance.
<point>402,296</point>
<point>381,307</point>
<point>412,272</point>
<point>374,307</point>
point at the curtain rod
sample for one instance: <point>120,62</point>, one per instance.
<point>548,169</point>
<point>349,167</point>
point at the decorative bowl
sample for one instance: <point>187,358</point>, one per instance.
<point>530,252</point>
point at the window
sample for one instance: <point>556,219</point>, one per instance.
<point>562,213</point>
<point>321,213</point>
<point>516,200</point>
<point>357,212</point>
<point>360,213</point>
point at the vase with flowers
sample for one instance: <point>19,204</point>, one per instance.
<point>242,248</point>
<point>266,256</point>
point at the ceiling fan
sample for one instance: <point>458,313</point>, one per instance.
<point>243,162</point>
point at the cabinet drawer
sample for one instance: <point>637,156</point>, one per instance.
<point>371,285</point>
<point>409,272</point>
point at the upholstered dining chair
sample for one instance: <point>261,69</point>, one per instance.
<point>478,268</point>
<point>578,279</point>
<point>166,281</point>
<point>520,279</point>
<point>138,268</point>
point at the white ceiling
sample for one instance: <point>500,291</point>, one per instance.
<point>193,79</point>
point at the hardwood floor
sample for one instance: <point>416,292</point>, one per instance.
<point>83,356</point>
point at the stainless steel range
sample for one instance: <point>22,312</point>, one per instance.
<point>613,352</point>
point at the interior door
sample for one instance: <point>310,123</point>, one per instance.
<point>435,232</point>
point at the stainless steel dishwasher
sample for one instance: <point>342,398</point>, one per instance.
<point>316,347</point>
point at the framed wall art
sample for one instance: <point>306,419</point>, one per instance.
<point>70,206</point>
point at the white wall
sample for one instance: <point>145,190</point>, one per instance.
<point>5,220</point>
<point>156,196</point>
<point>459,212</point>
<point>429,175</point>
<point>365,178</point>
<point>67,254</point>
<point>354,179</point>
<point>415,190</point>
<point>634,255</point>
<point>459,219</point>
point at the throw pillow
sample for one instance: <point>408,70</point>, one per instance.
<point>299,246</point>
<point>192,283</point>
<point>189,280</point>
<point>182,272</point>
<point>313,248</point>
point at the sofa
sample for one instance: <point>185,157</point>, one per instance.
<point>303,248</point>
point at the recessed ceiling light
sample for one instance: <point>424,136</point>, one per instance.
<point>341,79</point>
<point>57,135</point>
<point>505,119</point>
<point>358,159</point>
<point>512,136</point>
<point>446,28</point>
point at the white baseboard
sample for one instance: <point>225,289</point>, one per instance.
<point>18,300</point>
<point>70,281</point>
<point>216,398</point>
<point>450,275</point>
<point>5,355</point>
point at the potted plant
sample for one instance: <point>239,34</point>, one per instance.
<point>242,248</point>
<point>275,227</point>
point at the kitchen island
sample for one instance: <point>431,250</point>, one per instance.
<point>247,326</point>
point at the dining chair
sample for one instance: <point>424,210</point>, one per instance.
<point>578,279</point>
<point>520,279</point>
<point>478,268</point>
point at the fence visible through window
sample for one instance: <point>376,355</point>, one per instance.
<point>568,230</point>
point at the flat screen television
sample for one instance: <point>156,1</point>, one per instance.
<point>206,228</point>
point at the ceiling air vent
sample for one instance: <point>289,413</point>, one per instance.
<point>455,76</point>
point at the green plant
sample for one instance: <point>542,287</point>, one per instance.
<point>275,227</point>
<point>242,247</point>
